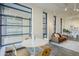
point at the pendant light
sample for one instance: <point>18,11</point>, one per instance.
<point>74,7</point>
<point>66,7</point>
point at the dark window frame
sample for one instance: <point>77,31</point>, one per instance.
<point>61,25</point>
<point>45,34</point>
<point>54,24</point>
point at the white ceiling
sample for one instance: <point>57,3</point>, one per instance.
<point>58,8</point>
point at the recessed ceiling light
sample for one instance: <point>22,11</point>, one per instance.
<point>74,9</point>
<point>77,9</point>
<point>65,9</point>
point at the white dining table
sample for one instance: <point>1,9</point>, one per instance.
<point>30,43</point>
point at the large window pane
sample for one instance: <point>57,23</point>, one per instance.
<point>25,29</point>
<point>19,7</point>
<point>11,21</point>
<point>16,23</point>
<point>44,20</point>
<point>11,39</point>
<point>26,22</point>
<point>9,11</point>
<point>14,30</point>
<point>3,30</point>
<point>44,25</point>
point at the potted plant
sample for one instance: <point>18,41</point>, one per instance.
<point>66,30</point>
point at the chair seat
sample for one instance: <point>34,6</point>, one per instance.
<point>22,52</point>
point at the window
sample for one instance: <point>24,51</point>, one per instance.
<point>54,24</point>
<point>61,25</point>
<point>44,25</point>
<point>15,22</point>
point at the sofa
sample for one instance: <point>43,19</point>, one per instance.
<point>57,37</point>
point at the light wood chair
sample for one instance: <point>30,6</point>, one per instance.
<point>45,52</point>
<point>22,52</point>
<point>17,51</point>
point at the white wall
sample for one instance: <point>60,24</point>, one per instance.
<point>37,18</point>
<point>50,24</point>
<point>57,24</point>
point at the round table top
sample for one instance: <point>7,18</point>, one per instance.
<point>35,43</point>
